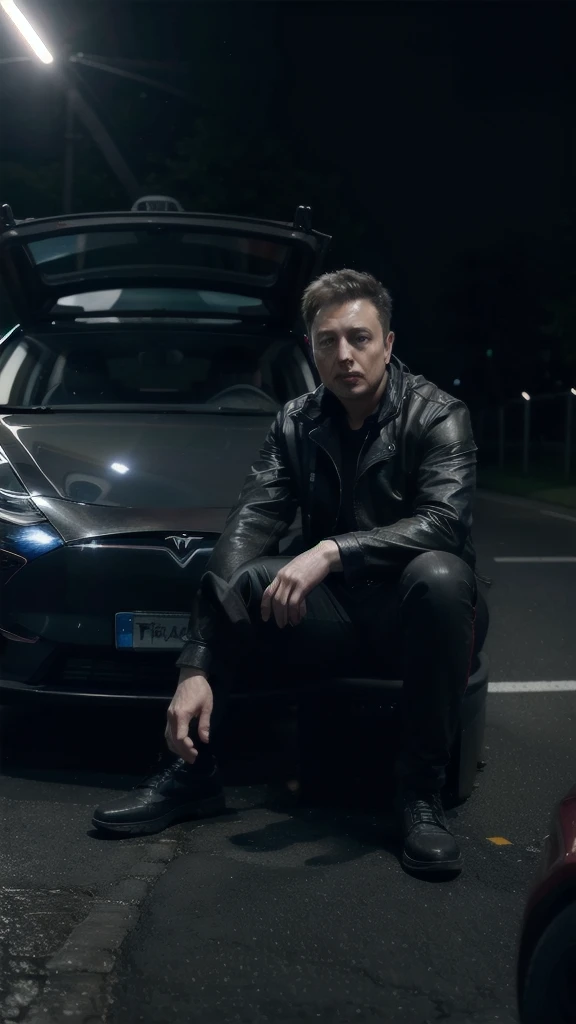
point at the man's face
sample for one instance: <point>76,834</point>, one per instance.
<point>350,350</point>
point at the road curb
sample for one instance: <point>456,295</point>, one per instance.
<point>74,987</point>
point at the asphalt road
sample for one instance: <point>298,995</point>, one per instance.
<point>278,912</point>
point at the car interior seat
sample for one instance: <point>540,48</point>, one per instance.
<point>232,367</point>
<point>286,372</point>
<point>85,378</point>
<point>172,375</point>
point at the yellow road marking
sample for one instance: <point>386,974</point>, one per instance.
<point>499,841</point>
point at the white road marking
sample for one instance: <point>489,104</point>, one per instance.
<point>546,686</point>
<point>551,559</point>
<point>558,515</point>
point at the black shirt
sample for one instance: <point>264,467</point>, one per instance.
<point>351,443</point>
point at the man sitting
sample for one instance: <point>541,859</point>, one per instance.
<point>382,465</point>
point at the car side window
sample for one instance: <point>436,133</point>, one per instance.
<point>15,367</point>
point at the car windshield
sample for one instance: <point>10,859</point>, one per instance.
<point>130,367</point>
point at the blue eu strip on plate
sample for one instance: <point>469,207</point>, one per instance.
<point>124,630</point>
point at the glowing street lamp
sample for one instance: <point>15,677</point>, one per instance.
<point>526,396</point>
<point>30,34</point>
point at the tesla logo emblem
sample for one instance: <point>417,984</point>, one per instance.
<point>181,543</point>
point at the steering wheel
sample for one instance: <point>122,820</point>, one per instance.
<point>238,389</point>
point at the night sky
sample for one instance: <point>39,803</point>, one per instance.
<point>435,141</point>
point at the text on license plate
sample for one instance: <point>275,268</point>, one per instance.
<point>151,631</point>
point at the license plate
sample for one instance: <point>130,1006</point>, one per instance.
<point>151,631</point>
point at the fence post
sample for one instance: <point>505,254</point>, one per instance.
<point>525,459</point>
<point>568,437</point>
<point>501,437</point>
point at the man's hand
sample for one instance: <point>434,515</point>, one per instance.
<point>285,598</point>
<point>193,699</point>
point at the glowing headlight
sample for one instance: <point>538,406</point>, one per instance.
<point>16,505</point>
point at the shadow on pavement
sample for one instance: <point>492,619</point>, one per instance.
<point>337,784</point>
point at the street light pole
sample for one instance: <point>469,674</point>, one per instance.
<point>501,436</point>
<point>68,188</point>
<point>568,440</point>
<point>525,455</point>
<point>91,121</point>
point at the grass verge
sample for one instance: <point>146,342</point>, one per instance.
<point>539,485</point>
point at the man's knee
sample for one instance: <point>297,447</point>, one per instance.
<point>251,580</point>
<point>438,574</point>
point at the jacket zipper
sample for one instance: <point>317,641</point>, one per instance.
<point>384,458</point>
<point>312,479</point>
<point>360,454</point>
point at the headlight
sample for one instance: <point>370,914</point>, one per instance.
<point>16,505</point>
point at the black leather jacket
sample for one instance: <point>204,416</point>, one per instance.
<point>413,493</point>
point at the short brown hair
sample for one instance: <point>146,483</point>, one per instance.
<point>346,286</point>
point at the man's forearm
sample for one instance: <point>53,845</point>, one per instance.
<point>332,553</point>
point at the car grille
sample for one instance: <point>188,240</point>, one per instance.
<point>131,671</point>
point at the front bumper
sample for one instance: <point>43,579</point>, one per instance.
<point>160,682</point>
<point>15,693</point>
<point>58,611</point>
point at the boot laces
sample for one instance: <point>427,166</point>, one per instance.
<point>164,775</point>
<point>427,811</point>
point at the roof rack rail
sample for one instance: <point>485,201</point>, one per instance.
<point>157,204</point>
<point>7,217</point>
<point>303,219</point>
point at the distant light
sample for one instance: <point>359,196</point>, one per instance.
<point>457,382</point>
<point>573,391</point>
<point>526,396</point>
<point>119,467</point>
<point>30,35</point>
<point>489,352</point>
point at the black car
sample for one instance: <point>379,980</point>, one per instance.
<point>150,355</point>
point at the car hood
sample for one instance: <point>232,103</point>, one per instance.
<point>138,461</point>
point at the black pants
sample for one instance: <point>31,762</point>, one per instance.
<point>424,628</point>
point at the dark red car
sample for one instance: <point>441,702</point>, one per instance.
<point>547,959</point>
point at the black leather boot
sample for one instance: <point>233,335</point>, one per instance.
<point>429,846</point>
<point>177,792</point>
